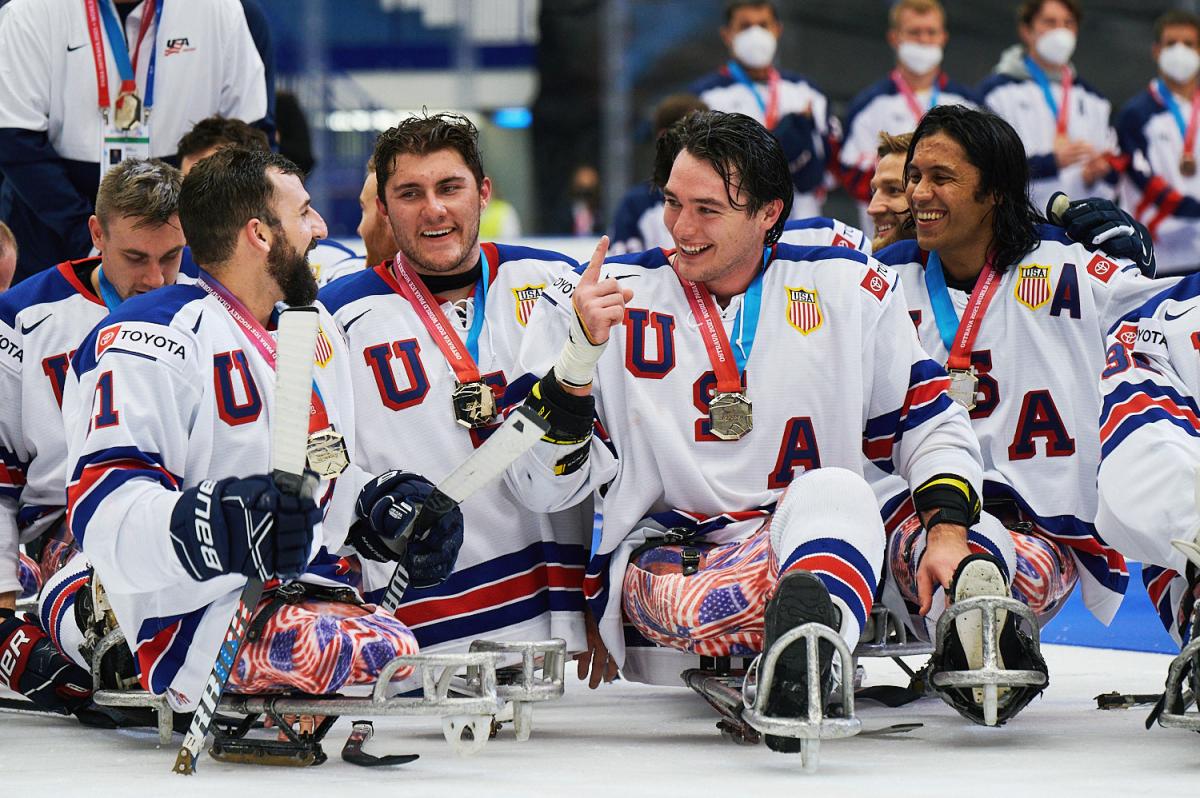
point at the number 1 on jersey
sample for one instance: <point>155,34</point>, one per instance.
<point>106,414</point>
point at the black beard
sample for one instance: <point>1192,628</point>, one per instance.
<point>290,270</point>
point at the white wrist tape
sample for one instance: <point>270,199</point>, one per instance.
<point>576,363</point>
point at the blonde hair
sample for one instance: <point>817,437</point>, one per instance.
<point>915,6</point>
<point>893,145</point>
<point>147,190</point>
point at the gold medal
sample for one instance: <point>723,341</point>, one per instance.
<point>963,383</point>
<point>1187,164</point>
<point>731,415</point>
<point>127,111</point>
<point>327,453</point>
<point>474,404</point>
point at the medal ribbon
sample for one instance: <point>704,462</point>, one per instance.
<point>95,9</point>
<point>959,336</point>
<point>728,363</point>
<point>1062,112</point>
<point>1186,129</point>
<point>770,106</point>
<point>262,341</point>
<point>107,291</point>
<point>910,96</point>
<point>408,285</point>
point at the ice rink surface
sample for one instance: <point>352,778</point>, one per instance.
<point>632,740</point>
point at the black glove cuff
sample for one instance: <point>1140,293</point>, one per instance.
<point>570,416</point>
<point>955,501</point>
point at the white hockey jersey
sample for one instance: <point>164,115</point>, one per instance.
<point>331,260</point>
<point>834,369</point>
<point>170,392</point>
<point>519,574</point>
<point>42,321</point>
<point>1150,440</point>
<point>1038,347</point>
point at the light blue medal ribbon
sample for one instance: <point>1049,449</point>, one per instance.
<point>741,77</point>
<point>939,296</point>
<point>481,289</point>
<point>746,321</point>
<point>1043,82</point>
<point>120,49</point>
<point>107,292</point>
<point>1169,100</point>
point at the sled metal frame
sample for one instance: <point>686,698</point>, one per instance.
<point>990,677</point>
<point>534,683</point>
<point>815,727</point>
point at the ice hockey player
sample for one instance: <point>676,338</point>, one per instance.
<point>1149,426</point>
<point>737,381</point>
<point>168,438</point>
<point>1034,310</point>
<point>42,322</point>
<point>435,332</point>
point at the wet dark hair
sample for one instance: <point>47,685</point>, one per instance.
<point>995,149</point>
<point>222,193</point>
<point>421,135</point>
<point>743,152</point>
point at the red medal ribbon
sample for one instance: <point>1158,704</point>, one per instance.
<point>1064,107</point>
<point>968,328</point>
<point>92,9</point>
<point>262,341</point>
<point>410,286</point>
<point>910,97</point>
<point>771,115</point>
<point>1189,138</point>
<point>716,341</point>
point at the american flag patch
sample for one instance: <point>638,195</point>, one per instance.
<point>324,350</point>
<point>526,297</point>
<point>1033,286</point>
<point>803,309</point>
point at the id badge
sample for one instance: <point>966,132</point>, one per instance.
<point>117,145</point>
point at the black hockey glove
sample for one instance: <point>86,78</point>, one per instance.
<point>243,526</point>
<point>570,416</point>
<point>32,666</point>
<point>389,505</point>
<point>1099,224</point>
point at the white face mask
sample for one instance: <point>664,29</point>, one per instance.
<point>755,47</point>
<point>1056,46</point>
<point>1179,62</point>
<point>919,58</point>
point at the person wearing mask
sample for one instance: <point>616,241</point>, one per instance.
<point>895,104</point>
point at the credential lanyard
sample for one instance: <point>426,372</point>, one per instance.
<point>728,362</point>
<point>97,9</point>
<point>1061,113</point>
<point>1186,129</point>
<point>910,96</point>
<point>769,106</point>
<point>262,341</point>
<point>959,336</point>
<point>462,359</point>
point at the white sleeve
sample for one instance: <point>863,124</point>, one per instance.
<point>25,71</point>
<point>128,426</point>
<point>14,454</point>
<point>913,427</point>
<point>244,87</point>
<point>1150,453</point>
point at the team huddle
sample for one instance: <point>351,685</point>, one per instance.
<point>760,440</point>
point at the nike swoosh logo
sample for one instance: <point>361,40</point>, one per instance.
<point>26,330</point>
<point>71,49</point>
<point>1167,314</point>
<point>346,326</point>
<point>623,276</point>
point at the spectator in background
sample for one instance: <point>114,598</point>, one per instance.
<point>8,256</point>
<point>56,139</point>
<point>585,201</point>
<point>638,221</point>
<point>499,219</point>
<point>1157,131</point>
<point>211,134</point>
<point>1063,121</point>
<point>917,34</point>
<point>888,208</point>
<point>794,110</point>
<point>292,134</point>
<point>374,228</point>
<point>260,32</point>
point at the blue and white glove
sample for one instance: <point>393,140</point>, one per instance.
<point>243,526</point>
<point>1099,224</point>
<point>389,505</point>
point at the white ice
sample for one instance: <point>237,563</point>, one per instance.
<point>631,740</point>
